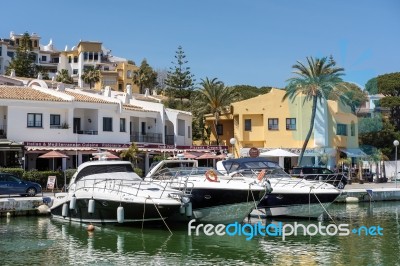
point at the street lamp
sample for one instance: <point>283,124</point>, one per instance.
<point>233,141</point>
<point>395,143</point>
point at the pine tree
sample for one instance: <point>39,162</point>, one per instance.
<point>24,61</point>
<point>179,80</point>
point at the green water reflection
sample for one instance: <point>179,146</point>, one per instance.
<point>43,241</point>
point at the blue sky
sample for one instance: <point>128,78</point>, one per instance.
<point>252,42</point>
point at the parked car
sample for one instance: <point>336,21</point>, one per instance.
<point>320,173</point>
<point>10,184</point>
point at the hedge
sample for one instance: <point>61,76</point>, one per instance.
<point>41,176</point>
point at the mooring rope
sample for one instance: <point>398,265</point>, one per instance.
<point>144,211</point>
<point>324,208</point>
<point>161,216</point>
<point>254,201</point>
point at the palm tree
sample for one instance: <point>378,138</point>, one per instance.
<point>145,77</point>
<point>317,80</point>
<point>64,77</point>
<point>132,154</point>
<point>90,76</point>
<point>213,97</point>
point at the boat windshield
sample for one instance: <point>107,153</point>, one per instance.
<point>102,169</point>
<point>168,173</point>
<point>252,166</point>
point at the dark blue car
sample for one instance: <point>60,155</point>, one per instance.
<point>10,184</point>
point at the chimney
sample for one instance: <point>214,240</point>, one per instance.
<point>125,98</point>
<point>107,91</point>
<point>40,76</point>
<point>146,92</point>
<point>12,73</point>
<point>129,91</point>
<point>154,92</point>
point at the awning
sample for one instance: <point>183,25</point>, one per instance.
<point>43,148</point>
<point>353,152</point>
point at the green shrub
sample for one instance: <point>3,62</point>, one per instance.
<point>138,171</point>
<point>14,171</point>
<point>42,176</point>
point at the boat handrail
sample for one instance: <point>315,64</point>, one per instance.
<point>283,178</point>
<point>118,185</point>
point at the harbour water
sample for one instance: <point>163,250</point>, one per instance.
<point>44,241</point>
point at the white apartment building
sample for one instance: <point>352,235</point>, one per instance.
<point>46,56</point>
<point>37,118</point>
<point>115,72</point>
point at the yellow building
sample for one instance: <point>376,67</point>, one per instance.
<point>266,122</point>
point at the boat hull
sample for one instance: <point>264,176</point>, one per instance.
<point>295,205</point>
<point>220,205</point>
<point>105,211</point>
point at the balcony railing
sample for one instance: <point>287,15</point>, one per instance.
<point>169,139</point>
<point>148,137</point>
<point>87,132</point>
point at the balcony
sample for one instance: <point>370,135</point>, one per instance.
<point>148,137</point>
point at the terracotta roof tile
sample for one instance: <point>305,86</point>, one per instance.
<point>86,98</point>
<point>26,93</point>
<point>131,107</point>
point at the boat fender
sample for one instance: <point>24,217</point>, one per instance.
<point>211,176</point>
<point>120,214</point>
<point>182,209</point>
<point>261,175</point>
<point>64,212</point>
<point>72,203</point>
<point>90,227</point>
<point>189,209</point>
<point>268,187</point>
<point>91,206</point>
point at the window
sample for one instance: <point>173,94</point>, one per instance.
<point>44,58</point>
<point>69,59</point>
<point>90,56</point>
<point>96,56</point>
<point>75,59</point>
<point>54,120</point>
<point>85,56</point>
<point>181,127</point>
<point>75,71</point>
<point>273,124</point>
<point>247,125</point>
<point>189,132</point>
<point>122,125</point>
<point>220,130</point>
<point>290,123</point>
<point>341,130</point>
<point>10,54</point>
<point>107,124</point>
<point>129,74</point>
<point>352,129</point>
<point>143,128</point>
<point>34,120</point>
<point>0,50</point>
